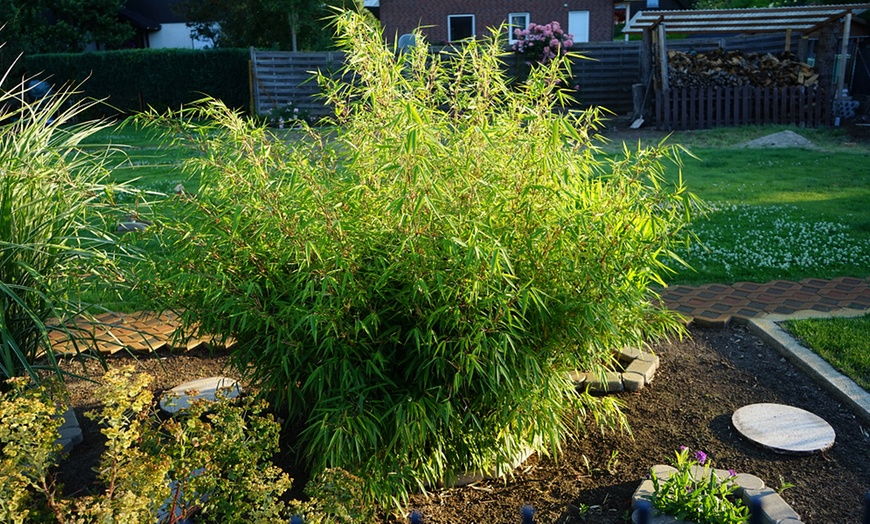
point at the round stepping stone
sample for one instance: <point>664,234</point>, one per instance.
<point>784,429</point>
<point>176,399</point>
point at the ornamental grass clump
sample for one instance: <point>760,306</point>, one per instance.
<point>55,206</point>
<point>412,284</point>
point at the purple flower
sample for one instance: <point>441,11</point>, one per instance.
<point>732,473</point>
<point>683,448</point>
<point>701,457</point>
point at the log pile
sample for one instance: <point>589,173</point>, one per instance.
<point>719,68</point>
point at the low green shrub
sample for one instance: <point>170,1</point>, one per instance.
<point>414,283</point>
<point>213,462</point>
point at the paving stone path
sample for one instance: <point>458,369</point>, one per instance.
<point>135,332</point>
<point>714,305</point>
<point>710,305</point>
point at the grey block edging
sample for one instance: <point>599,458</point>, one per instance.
<point>69,432</point>
<point>639,370</point>
<point>774,509</point>
<point>840,386</point>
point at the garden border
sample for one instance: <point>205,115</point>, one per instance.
<point>840,386</point>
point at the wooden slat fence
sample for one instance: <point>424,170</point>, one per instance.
<point>606,78</point>
<point>691,108</point>
<point>279,78</point>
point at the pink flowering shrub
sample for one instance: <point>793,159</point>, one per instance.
<point>542,43</point>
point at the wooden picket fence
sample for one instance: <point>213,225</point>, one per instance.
<point>692,108</point>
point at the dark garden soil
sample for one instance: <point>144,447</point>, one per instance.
<point>700,383</point>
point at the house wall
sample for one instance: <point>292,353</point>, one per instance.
<point>403,16</point>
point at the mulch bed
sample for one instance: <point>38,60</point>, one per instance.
<point>701,382</point>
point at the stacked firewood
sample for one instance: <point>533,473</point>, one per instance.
<point>720,68</point>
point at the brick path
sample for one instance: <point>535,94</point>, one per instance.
<point>712,305</point>
<point>136,332</point>
<point>717,304</point>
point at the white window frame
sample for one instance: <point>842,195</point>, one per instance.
<point>511,38</point>
<point>450,27</point>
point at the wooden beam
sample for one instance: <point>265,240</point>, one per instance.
<point>646,57</point>
<point>841,65</point>
<point>788,40</point>
<point>663,56</point>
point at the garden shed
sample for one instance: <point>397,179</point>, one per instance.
<point>725,96</point>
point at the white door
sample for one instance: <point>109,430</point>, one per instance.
<point>578,25</point>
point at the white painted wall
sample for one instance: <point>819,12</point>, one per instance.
<point>175,35</point>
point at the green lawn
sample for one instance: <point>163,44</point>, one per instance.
<point>842,342</point>
<point>774,213</point>
<point>143,157</point>
<point>777,213</point>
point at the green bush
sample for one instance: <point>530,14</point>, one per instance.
<point>54,209</point>
<point>135,79</point>
<point>414,284</point>
<point>212,461</point>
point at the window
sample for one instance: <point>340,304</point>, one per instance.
<point>578,25</point>
<point>460,27</point>
<point>516,21</point>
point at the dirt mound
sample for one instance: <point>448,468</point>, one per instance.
<point>781,139</point>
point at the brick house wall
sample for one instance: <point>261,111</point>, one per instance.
<point>403,16</point>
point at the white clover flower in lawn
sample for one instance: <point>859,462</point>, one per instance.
<point>744,237</point>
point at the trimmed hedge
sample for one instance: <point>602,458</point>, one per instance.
<point>133,80</point>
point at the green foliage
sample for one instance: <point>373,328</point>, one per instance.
<point>695,493</point>
<point>58,26</point>
<point>335,496</point>
<point>133,80</point>
<point>135,480</point>
<point>28,429</point>
<point>292,25</point>
<point>54,206</point>
<point>415,286</point>
<point>213,461</point>
<point>843,342</point>
<point>222,451</point>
